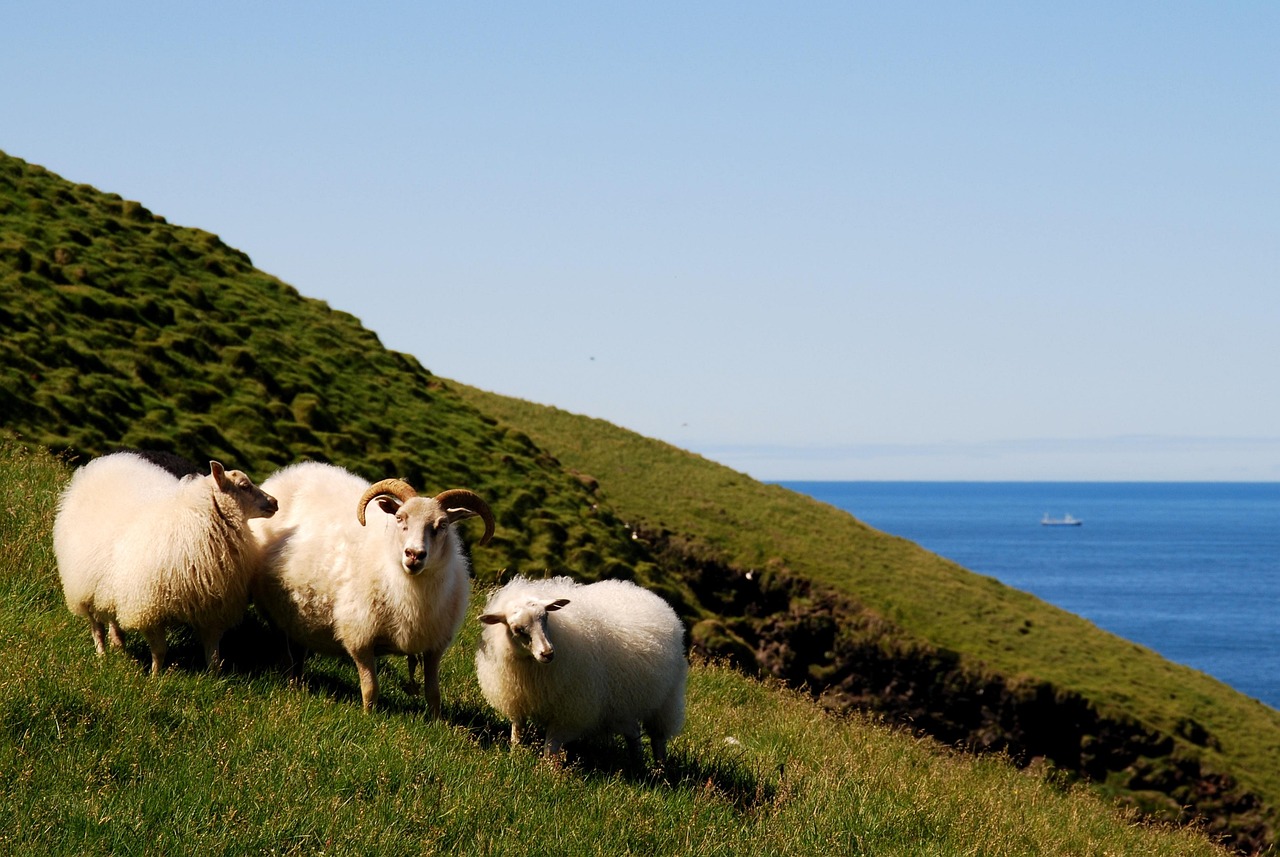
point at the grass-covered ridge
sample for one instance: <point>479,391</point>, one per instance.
<point>122,329</point>
<point>101,758</point>
<point>721,515</point>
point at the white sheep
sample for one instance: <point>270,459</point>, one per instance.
<point>574,659</point>
<point>140,549</point>
<point>399,585</point>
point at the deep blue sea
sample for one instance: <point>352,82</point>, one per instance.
<point>1191,570</point>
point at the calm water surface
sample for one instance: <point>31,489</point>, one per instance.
<point>1191,570</point>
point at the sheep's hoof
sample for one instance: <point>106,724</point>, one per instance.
<point>556,755</point>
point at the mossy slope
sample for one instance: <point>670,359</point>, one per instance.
<point>123,330</point>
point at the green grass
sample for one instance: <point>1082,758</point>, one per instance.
<point>996,629</point>
<point>99,758</point>
<point>123,329</point>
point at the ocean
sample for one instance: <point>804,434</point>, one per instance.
<point>1190,570</point>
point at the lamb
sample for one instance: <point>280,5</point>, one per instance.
<point>140,549</point>
<point>610,660</point>
<point>396,583</point>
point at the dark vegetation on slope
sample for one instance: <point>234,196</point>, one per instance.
<point>124,330</point>
<point>121,330</point>
<point>851,659</point>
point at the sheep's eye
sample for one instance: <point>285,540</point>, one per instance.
<point>521,633</point>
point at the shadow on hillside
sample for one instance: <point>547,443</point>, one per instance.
<point>254,649</point>
<point>482,723</point>
<point>715,775</point>
<point>718,774</point>
<point>251,648</point>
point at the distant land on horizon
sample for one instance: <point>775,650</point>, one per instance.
<point>1136,458</point>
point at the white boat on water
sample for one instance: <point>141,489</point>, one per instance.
<point>1064,521</point>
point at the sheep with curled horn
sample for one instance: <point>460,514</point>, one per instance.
<point>391,579</point>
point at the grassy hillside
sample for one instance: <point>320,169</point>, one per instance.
<point>99,758</point>
<point>122,329</point>
<point>901,590</point>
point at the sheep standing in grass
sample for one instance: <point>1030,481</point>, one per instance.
<point>396,582</point>
<point>576,659</point>
<point>140,549</point>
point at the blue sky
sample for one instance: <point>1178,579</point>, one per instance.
<point>819,240</point>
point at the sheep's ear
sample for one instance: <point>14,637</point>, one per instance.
<point>557,604</point>
<point>217,471</point>
<point>388,504</point>
<point>493,619</point>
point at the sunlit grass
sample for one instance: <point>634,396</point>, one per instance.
<point>101,758</point>
<point>992,627</point>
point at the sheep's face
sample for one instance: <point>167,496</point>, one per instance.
<point>252,500</point>
<point>425,532</point>
<point>526,627</point>
<point>426,537</point>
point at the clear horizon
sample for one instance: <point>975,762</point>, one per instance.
<point>1120,459</point>
<point>839,240</point>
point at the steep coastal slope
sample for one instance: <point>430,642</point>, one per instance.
<point>101,758</point>
<point>122,329</point>
<point>869,620</point>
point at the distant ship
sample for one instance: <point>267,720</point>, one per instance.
<point>1064,521</point>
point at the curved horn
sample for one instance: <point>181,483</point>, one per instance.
<point>461,499</point>
<point>397,488</point>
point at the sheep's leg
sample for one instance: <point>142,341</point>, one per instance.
<point>114,635</point>
<point>159,648</point>
<point>212,640</point>
<point>553,748</point>
<point>431,680</point>
<point>97,629</point>
<point>517,732</point>
<point>297,655</point>
<point>658,741</point>
<point>412,687</point>
<point>366,665</point>
<point>634,748</point>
